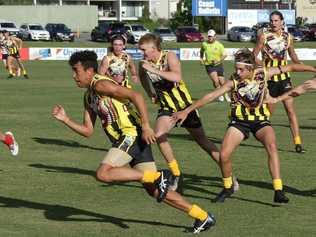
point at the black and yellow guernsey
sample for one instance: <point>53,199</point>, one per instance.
<point>274,52</point>
<point>119,65</point>
<point>172,96</point>
<point>247,97</point>
<point>11,47</point>
<point>118,118</point>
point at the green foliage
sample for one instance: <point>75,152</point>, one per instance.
<point>300,21</point>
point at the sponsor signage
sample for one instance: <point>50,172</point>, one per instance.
<point>209,7</point>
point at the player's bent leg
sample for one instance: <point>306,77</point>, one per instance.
<point>231,141</point>
<point>266,136</point>
<point>163,125</point>
<point>114,168</point>
<point>289,108</point>
<point>202,140</point>
<point>161,182</point>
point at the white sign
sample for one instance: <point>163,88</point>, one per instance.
<point>61,53</point>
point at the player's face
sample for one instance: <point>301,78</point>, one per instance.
<point>149,50</point>
<point>276,23</point>
<point>81,76</point>
<point>242,71</point>
<point>118,46</point>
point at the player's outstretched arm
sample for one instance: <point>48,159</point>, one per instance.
<point>181,115</point>
<point>297,91</point>
<point>295,67</point>
<point>85,129</point>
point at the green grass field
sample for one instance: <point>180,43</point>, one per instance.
<point>50,189</point>
<point>88,43</point>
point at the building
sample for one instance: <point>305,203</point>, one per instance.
<point>306,9</point>
<point>130,9</point>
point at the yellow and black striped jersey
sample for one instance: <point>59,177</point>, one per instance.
<point>247,97</point>
<point>172,96</point>
<point>274,52</point>
<point>118,118</point>
<point>12,48</point>
<point>119,65</point>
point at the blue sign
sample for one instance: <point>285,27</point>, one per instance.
<point>209,7</point>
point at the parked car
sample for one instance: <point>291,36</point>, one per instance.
<point>297,34</point>
<point>33,32</point>
<point>100,32</point>
<point>119,28</point>
<point>135,32</point>
<point>10,27</point>
<point>188,34</point>
<point>105,31</point>
<point>310,32</point>
<point>240,33</point>
<point>259,27</point>
<point>59,32</point>
<point>165,34</point>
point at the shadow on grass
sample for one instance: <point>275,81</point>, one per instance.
<point>197,183</point>
<point>219,141</point>
<point>65,213</point>
<point>62,169</point>
<point>288,126</point>
<point>69,143</point>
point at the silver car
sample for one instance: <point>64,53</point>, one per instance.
<point>165,34</point>
<point>240,33</point>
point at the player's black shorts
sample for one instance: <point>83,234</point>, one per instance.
<point>192,121</point>
<point>15,55</point>
<point>136,147</point>
<point>277,88</point>
<point>218,68</point>
<point>5,56</point>
<point>249,126</point>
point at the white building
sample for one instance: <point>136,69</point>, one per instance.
<point>130,9</point>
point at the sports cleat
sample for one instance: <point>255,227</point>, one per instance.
<point>174,185</point>
<point>221,98</point>
<point>177,184</point>
<point>163,183</point>
<point>235,184</point>
<point>279,196</point>
<point>10,76</point>
<point>225,193</point>
<point>299,149</point>
<point>200,226</point>
<point>13,147</point>
<point>26,76</point>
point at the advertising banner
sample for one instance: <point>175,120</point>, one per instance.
<point>61,53</point>
<point>209,7</point>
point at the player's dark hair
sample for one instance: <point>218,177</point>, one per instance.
<point>87,58</point>
<point>277,13</point>
<point>118,37</point>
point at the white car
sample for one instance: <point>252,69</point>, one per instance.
<point>135,32</point>
<point>33,32</point>
<point>9,26</point>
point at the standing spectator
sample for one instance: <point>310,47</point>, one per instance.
<point>212,55</point>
